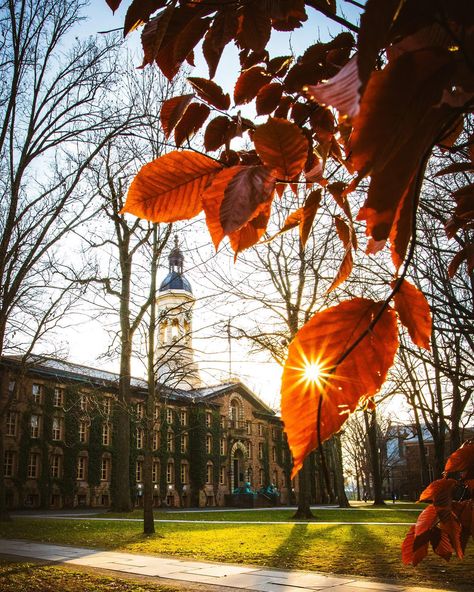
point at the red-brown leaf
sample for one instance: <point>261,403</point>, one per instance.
<point>268,98</point>
<point>254,26</point>
<point>217,133</point>
<point>281,146</point>
<point>210,92</point>
<point>252,232</point>
<point>139,13</point>
<point>169,188</point>
<point>249,83</point>
<point>323,341</point>
<point>154,33</point>
<point>113,4</point>
<point>465,254</point>
<point>247,190</point>
<point>191,122</point>
<point>223,30</point>
<point>461,460</point>
<point>414,312</point>
<point>187,39</point>
<point>172,111</point>
<point>440,492</point>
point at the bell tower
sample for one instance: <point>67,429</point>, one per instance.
<point>174,356</point>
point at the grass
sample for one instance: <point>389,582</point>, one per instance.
<point>370,551</point>
<point>21,576</point>
<point>362,514</point>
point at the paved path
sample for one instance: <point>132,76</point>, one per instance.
<point>216,574</point>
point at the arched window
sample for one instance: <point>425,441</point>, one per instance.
<point>209,473</point>
<point>235,413</point>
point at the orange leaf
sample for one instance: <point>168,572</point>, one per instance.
<point>249,83</point>
<point>169,188</point>
<point>462,460</point>
<point>320,344</point>
<point>440,492</point>
<point>191,122</point>
<point>247,190</point>
<point>308,213</point>
<point>217,132</point>
<point>252,232</point>
<point>281,146</point>
<point>172,111</point>
<point>210,92</point>
<point>212,200</point>
<point>414,312</point>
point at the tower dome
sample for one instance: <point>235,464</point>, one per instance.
<point>175,279</point>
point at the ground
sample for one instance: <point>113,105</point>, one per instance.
<point>361,541</point>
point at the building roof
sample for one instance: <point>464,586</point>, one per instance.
<point>64,371</point>
<point>175,281</point>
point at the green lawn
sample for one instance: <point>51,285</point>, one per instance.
<point>369,551</point>
<point>330,515</point>
<point>19,576</point>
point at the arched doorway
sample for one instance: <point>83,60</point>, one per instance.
<point>238,459</point>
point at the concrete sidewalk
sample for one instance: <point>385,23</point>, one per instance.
<point>215,574</point>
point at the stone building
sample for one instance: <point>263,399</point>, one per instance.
<point>207,441</point>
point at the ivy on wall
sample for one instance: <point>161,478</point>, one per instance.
<point>47,429</point>
<point>95,450</point>
<point>197,450</point>
<point>71,445</point>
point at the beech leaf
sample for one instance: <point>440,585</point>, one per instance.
<point>321,342</point>
<point>414,312</point>
<point>210,92</point>
<point>169,188</point>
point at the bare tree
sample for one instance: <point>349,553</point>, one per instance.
<point>55,116</point>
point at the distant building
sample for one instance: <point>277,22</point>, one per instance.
<point>207,441</point>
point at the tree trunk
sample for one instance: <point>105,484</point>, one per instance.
<point>304,495</point>
<point>339,471</point>
<point>374,456</point>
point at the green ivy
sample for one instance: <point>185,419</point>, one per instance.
<point>215,456</point>
<point>71,445</point>
<point>197,450</point>
<point>266,463</point>
<point>24,452</point>
<point>45,476</point>
<point>95,450</point>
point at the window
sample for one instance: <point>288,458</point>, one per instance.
<point>208,444</point>
<point>209,473</point>
<point>170,441</point>
<point>184,473</point>
<point>155,471</point>
<point>208,419</point>
<point>156,439</point>
<point>249,427</point>
<point>34,426</point>
<point>169,473</point>
<point>222,475</point>
<point>84,402</point>
<point>183,417</point>
<point>139,471</point>
<point>81,468</point>
<point>275,478</point>
<point>9,463</point>
<point>82,432</point>
<point>235,414</point>
<point>184,443</point>
<point>260,429</point>
<point>11,389</point>
<point>58,397</point>
<point>140,410</point>
<point>106,434</point>
<point>169,416</point>
<point>260,450</point>
<point>36,393</point>
<point>55,466</point>
<point>261,479</point>
<point>156,412</point>
<point>275,433</point>
<point>107,405</point>
<point>222,421</point>
<point>140,437</point>
<point>222,446</point>
<point>248,445</point>
<point>10,423</point>
<point>33,466</point>
<point>274,454</point>
<point>57,428</point>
